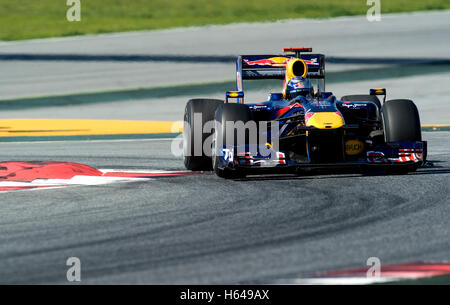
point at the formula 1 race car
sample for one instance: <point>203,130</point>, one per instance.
<point>302,128</point>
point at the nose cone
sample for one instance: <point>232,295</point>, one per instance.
<point>324,120</point>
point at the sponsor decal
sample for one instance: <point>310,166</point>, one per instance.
<point>321,103</point>
<point>404,155</point>
<point>298,85</point>
<point>227,154</point>
<point>349,105</point>
<point>258,107</point>
<point>408,155</point>
<point>354,147</point>
<point>376,157</point>
<point>272,61</point>
<point>281,158</point>
<point>312,62</point>
<point>278,62</point>
<point>289,107</point>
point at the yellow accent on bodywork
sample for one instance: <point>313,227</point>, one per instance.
<point>380,91</point>
<point>325,120</point>
<point>290,67</point>
<point>279,61</point>
<point>290,73</point>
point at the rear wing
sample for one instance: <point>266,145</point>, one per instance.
<point>274,66</point>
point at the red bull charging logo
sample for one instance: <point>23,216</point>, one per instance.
<point>277,62</point>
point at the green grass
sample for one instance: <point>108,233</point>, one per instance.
<point>26,19</point>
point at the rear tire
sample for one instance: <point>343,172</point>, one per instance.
<point>228,113</point>
<point>207,107</point>
<point>401,123</point>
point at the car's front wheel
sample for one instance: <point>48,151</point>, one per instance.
<point>198,112</point>
<point>401,123</point>
<point>228,114</point>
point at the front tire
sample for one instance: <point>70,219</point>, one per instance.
<point>228,113</point>
<point>192,129</point>
<point>401,123</point>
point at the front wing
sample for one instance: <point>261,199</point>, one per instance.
<point>259,159</point>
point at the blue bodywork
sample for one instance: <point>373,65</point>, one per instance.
<point>276,109</point>
<point>294,144</point>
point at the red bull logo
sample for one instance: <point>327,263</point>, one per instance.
<point>312,62</point>
<point>277,62</point>
<point>298,86</point>
<point>273,61</point>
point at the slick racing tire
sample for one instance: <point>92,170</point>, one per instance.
<point>228,113</point>
<point>199,159</point>
<point>401,123</point>
<point>362,98</point>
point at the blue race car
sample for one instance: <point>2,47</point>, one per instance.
<point>302,128</point>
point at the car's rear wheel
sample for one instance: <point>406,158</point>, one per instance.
<point>226,114</point>
<point>401,123</point>
<point>198,158</point>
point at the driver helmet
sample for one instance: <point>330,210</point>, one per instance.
<point>298,86</point>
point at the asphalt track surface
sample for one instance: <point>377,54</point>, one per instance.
<point>201,229</point>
